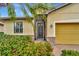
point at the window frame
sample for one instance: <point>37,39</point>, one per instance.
<point>18,24</point>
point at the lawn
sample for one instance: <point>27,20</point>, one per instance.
<point>18,45</point>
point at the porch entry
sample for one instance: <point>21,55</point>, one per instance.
<point>39,29</point>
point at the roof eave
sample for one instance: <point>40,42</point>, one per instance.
<point>19,18</point>
<point>58,8</point>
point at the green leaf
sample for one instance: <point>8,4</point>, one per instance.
<point>11,12</point>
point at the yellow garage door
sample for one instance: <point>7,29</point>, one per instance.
<point>67,33</point>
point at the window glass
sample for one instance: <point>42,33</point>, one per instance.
<point>18,27</point>
<point>40,30</point>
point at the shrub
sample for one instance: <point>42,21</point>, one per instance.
<point>15,45</point>
<point>40,49</point>
<point>70,53</point>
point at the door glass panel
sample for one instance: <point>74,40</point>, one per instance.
<point>40,30</point>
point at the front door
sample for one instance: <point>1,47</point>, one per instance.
<point>40,30</point>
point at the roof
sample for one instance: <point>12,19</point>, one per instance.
<point>48,12</point>
<point>18,18</point>
<point>64,5</point>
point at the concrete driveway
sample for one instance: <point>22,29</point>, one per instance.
<point>58,48</point>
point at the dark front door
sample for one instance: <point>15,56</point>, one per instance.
<point>40,30</point>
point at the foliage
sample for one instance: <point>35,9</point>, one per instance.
<point>70,53</point>
<point>31,9</point>
<point>42,7</point>
<point>38,6</point>
<point>18,45</point>
<point>41,49</point>
<point>28,18</point>
<point>24,10</point>
<point>11,11</point>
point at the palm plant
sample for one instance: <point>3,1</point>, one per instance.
<point>42,8</point>
<point>39,9</point>
<point>28,18</point>
<point>25,13</point>
<point>11,11</point>
<point>34,9</point>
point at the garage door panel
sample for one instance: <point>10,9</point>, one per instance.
<point>67,33</point>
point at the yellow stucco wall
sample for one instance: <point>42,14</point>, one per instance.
<point>1,28</point>
<point>9,28</point>
<point>69,12</point>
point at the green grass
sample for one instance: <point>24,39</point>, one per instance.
<point>70,53</point>
<point>15,45</point>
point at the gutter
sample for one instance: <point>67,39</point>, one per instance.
<point>59,8</point>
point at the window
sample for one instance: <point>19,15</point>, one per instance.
<point>18,27</point>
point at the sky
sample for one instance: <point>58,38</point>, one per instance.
<point>4,11</point>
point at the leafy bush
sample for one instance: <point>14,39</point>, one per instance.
<point>40,49</point>
<point>70,53</point>
<point>15,45</point>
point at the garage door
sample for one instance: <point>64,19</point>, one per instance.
<point>67,33</point>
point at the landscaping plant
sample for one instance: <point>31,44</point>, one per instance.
<point>70,53</point>
<point>18,45</point>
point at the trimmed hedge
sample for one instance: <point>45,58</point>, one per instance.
<point>15,45</point>
<point>70,53</point>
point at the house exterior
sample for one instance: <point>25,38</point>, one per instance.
<point>1,27</point>
<point>20,26</point>
<point>60,28</point>
<point>65,28</point>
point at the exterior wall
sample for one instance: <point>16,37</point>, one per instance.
<point>51,40</point>
<point>1,28</point>
<point>69,12</point>
<point>9,28</point>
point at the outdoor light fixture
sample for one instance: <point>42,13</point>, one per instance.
<point>51,26</point>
